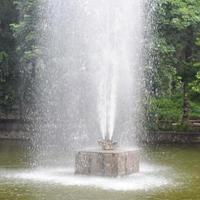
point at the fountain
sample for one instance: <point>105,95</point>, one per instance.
<point>90,86</point>
<point>107,161</point>
<point>107,144</point>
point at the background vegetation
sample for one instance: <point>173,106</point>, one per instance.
<point>174,99</point>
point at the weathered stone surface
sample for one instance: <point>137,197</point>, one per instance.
<point>113,163</point>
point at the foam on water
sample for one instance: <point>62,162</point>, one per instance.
<point>150,177</point>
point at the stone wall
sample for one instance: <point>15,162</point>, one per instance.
<point>172,137</point>
<point>14,135</point>
<point>14,129</point>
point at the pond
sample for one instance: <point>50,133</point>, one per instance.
<point>167,172</point>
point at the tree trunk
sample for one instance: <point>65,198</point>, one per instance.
<point>186,105</point>
<point>188,59</point>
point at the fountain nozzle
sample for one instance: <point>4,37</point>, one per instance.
<point>107,144</point>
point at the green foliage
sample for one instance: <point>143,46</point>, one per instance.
<point>168,109</point>
<point>27,35</point>
<point>195,85</point>
<point>181,13</point>
<point>26,31</point>
<point>178,50</point>
<point>8,58</point>
<point>195,110</point>
<point>178,25</point>
<point>165,112</point>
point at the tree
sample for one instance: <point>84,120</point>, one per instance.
<point>178,23</point>
<point>27,50</point>
<point>8,58</point>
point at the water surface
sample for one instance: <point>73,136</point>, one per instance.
<point>167,172</point>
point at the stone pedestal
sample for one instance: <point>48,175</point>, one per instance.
<point>111,163</point>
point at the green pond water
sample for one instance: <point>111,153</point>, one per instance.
<point>168,172</point>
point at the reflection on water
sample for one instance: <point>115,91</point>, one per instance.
<point>166,173</point>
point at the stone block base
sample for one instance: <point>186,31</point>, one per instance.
<point>112,163</point>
